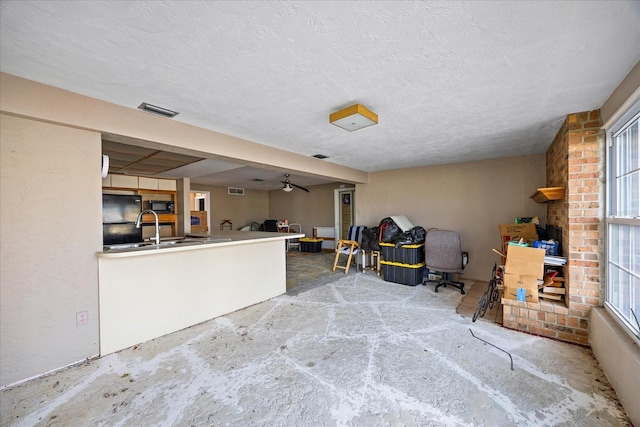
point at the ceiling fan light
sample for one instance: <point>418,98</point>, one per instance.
<point>287,188</point>
<point>353,118</point>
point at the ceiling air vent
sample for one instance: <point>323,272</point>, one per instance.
<point>165,112</point>
<point>235,191</point>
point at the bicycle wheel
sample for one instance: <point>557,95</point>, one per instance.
<point>492,293</point>
<point>483,304</point>
<point>495,295</point>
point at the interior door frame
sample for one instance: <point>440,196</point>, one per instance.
<point>207,205</point>
<point>337,218</point>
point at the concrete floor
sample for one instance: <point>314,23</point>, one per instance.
<point>354,351</point>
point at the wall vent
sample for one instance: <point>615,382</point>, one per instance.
<point>235,191</point>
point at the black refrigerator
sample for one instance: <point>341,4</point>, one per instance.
<point>119,215</point>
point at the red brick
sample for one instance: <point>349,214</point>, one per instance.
<point>581,306</point>
<point>587,293</point>
<point>581,314</point>
<point>526,321</point>
<point>543,332</point>
<point>592,138</point>
<point>592,301</point>
<point>572,338</point>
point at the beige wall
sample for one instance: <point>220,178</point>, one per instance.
<point>622,97</point>
<point>471,198</point>
<point>616,350</point>
<point>241,210</point>
<point>50,225</point>
<point>312,209</point>
<point>27,98</point>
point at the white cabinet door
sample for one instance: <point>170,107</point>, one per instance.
<point>167,184</point>
<point>124,181</point>
<point>147,183</point>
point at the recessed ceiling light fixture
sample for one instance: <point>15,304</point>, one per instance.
<point>320,156</point>
<point>353,118</point>
<point>165,112</point>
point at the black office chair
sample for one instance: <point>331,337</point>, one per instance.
<point>270,225</point>
<point>443,254</point>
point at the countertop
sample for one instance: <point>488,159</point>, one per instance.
<point>194,241</point>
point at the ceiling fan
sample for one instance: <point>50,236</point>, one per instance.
<point>288,185</point>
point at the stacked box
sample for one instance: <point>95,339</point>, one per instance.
<point>514,232</point>
<point>308,244</point>
<point>404,274</point>
<point>403,254</point>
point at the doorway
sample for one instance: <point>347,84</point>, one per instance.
<point>200,211</point>
<point>344,205</point>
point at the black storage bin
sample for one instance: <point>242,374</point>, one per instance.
<point>404,254</point>
<point>404,274</point>
<point>308,244</point>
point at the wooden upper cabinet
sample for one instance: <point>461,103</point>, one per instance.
<point>145,183</point>
<point>167,184</point>
<point>124,181</point>
<point>142,183</point>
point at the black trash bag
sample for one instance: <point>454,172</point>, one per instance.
<point>419,235</point>
<point>389,231</point>
<point>415,236</point>
<point>370,237</point>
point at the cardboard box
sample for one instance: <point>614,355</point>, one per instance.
<point>526,231</point>
<point>523,261</point>
<point>509,232</point>
<point>521,288</point>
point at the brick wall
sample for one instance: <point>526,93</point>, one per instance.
<point>575,160</point>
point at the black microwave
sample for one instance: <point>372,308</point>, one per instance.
<point>162,206</point>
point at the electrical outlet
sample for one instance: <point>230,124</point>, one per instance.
<point>82,318</point>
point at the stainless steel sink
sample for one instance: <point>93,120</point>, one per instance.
<point>125,246</point>
<point>216,240</point>
<point>165,243</point>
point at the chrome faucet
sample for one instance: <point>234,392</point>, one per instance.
<point>139,221</point>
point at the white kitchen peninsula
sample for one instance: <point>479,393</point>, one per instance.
<point>147,293</point>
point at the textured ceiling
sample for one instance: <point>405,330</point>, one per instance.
<point>450,81</point>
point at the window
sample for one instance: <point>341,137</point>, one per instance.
<point>623,220</point>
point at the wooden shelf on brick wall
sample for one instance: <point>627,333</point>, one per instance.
<point>547,194</point>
